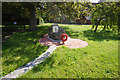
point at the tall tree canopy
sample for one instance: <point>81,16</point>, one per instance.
<point>46,10</point>
<point>64,10</point>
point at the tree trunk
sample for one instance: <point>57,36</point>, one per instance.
<point>96,28</point>
<point>104,27</point>
<point>97,24</point>
<point>32,18</point>
<point>93,26</point>
<point>24,27</point>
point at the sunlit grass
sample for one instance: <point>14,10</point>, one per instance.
<point>98,60</point>
<point>2,26</point>
<point>21,48</point>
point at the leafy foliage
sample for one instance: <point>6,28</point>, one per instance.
<point>13,11</point>
<point>107,14</point>
<point>59,11</point>
<point>56,11</point>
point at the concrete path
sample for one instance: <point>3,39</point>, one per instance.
<point>30,65</point>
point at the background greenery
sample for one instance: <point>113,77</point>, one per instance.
<point>104,13</point>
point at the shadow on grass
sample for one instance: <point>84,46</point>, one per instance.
<point>91,35</point>
<point>48,61</point>
<point>100,35</point>
<point>72,34</point>
<point>21,48</point>
<point>9,30</point>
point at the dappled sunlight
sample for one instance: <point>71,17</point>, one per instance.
<point>17,58</point>
<point>79,61</point>
<point>21,48</point>
<point>100,35</point>
<point>99,59</point>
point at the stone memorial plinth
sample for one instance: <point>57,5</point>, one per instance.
<point>54,36</point>
<point>55,32</point>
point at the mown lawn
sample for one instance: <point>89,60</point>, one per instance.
<point>21,47</point>
<point>98,60</point>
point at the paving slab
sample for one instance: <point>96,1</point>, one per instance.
<point>71,43</point>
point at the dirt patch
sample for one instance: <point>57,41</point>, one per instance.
<point>71,43</point>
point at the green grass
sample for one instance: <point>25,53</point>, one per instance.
<point>98,60</point>
<point>2,26</point>
<point>21,48</point>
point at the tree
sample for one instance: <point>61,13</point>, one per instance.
<point>32,9</point>
<point>53,10</point>
<point>106,14</point>
<point>18,11</point>
<point>64,10</point>
<point>14,12</point>
<point>76,10</point>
